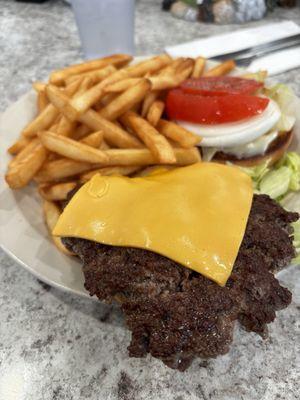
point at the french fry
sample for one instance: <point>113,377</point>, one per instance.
<point>42,101</point>
<point>171,68</point>
<point>95,75</point>
<point>148,101</point>
<point>27,149</point>
<point>87,99</point>
<point>126,100</point>
<point>148,66</point>
<point>56,192</point>
<point>47,117</point>
<point>108,98</point>
<point>51,214</point>
<point>112,133</point>
<point>58,77</point>
<point>60,169</point>
<point>18,146</point>
<point>80,132</point>
<point>154,169</point>
<point>164,82</point>
<point>94,139</point>
<point>39,86</point>
<point>43,121</point>
<point>156,143</point>
<point>104,145</point>
<point>122,85</point>
<point>198,67</point>
<point>65,168</point>
<point>177,133</point>
<point>155,112</point>
<point>71,149</point>
<point>221,69</point>
<point>187,63</point>
<point>109,171</point>
<point>21,173</point>
<point>65,127</point>
<point>145,157</point>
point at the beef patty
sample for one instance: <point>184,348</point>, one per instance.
<point>175,313</point>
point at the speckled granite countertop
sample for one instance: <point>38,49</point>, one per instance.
<point>55,346</point>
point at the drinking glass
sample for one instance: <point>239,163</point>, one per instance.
<point>105,26</point>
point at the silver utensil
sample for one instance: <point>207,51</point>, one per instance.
<point>247,56</point>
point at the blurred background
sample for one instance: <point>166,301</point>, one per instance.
<point>37,37</point>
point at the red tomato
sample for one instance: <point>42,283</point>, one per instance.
<point>220,86</point>
<point>213,110</point>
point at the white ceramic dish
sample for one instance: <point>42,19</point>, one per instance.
<point>23,233</point>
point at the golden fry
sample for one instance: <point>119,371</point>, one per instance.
<point>71,149</point>
<point>198,67</point>
<point>56,192</point>
<point>18,146</point>
<point>112,133</point>
<point>52,213</point>
<point>39,86</point>
<point>80,132</point>
<point>21,173</point>
<point>95,75</point>
<point>58,77</point>
<point>42,101</point>
<point>47,117</point>
<point>155,169</point>
<point>156,143</point>
<point>65,127</point>
<point>177,133</point>
<point>148,66</point>
<point>122,85</point>
<point>43,121</point>
<point>145,157</point>
<point>87,99</point>
<point>27,149</point>
<point>155,112</point>
<point>93,139</point>
<point>109,171</point>
<point>108,98</point>
<point>126,100</point>
<point>172,67</point>
<point>221,69</point>
<point>104,145</point>
<point>148,101</point>
<point>57,170</point>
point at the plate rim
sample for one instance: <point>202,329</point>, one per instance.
<point>60,286</point>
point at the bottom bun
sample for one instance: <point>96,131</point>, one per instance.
<point>275,151</point>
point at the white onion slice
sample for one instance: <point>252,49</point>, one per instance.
<point>236,133</point>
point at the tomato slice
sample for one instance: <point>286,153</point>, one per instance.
<point>220,86</point>
<point>213,110</point>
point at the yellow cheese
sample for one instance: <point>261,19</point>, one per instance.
<point>195,215</point>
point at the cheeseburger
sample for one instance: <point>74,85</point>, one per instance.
<point>240,120</point>
<point>187,254</point>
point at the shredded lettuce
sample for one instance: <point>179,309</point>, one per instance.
<point>259,76</point>
<point>296,242</point>
<point>256,173</point>
<point>279,182</point>
<point>276,183</point>
<point>285,98</point>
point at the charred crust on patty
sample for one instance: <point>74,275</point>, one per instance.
<point>176,314</point>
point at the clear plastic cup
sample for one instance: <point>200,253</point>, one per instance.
<point>105,26</point>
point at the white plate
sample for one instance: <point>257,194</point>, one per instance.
<point>23,233</point>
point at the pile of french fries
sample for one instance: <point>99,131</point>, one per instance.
<point>103,117</point>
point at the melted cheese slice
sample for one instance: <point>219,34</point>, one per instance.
<point>195,215</point>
